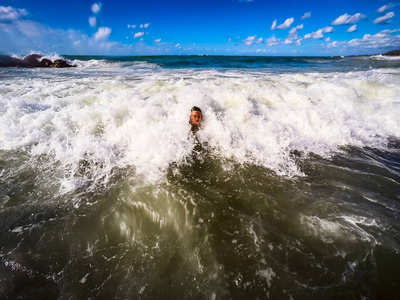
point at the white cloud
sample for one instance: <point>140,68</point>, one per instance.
<point>306,16</point>
<point>138,34</point>
<point>96,7</point>
<point>384,19</point>
<point>273,26</point>
<point>249,41</point>
<point>352,28</point>
<point>314,35</point>
<point>10,14</point>
<point>379,41</point>
<point>386,7</point>
<point>328,39</point>
<point>293,35</point>
<point>319,34</point>
<point>144,25</point>
<point>347,19</point>
<point>328,29</point>
<point>157,41</point>
<point>93,21</point>
<point>26,36</point>
<point>273,41</point>
<point>102,34</point>
<point>289,41</point>
<point>20,35</point>
<point>333,44</point>
<point>295,30</point>
<point>284,25</point>
<point>259,41</point>
<point>131,26</point>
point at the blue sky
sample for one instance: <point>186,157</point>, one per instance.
<point>187,27</point>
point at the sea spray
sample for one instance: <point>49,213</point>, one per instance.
<point>257,118</point>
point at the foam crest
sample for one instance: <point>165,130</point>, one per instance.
<point>264,119</point>
<point>118,121</point>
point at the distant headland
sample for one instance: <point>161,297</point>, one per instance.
<point>392,53</point>
<point>33,61</point>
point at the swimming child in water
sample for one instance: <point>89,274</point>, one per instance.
<point>195,118</point>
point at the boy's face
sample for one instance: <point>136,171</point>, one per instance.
<point>196,117</point>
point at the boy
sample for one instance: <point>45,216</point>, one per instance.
<point>195,118</point>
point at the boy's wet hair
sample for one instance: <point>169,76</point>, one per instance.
<point>195,108</point>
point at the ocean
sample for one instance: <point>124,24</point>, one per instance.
<point>290,189</point>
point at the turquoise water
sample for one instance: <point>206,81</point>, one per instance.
<point>289,191</point>
<point>264,63</point>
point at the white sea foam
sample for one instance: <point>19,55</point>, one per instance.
<point>268,273</point>
<point>385,57</point>
<point>120,117</point>
<point>346,227</point>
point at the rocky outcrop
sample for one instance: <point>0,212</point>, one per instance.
<point>392,53</point>
<point>33,61</point>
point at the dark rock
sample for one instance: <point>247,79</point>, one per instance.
<point>392,53</point>
<point>33,61</point>
<point>59,63</point>
<point>8,61</point>
<point>46,62</point>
